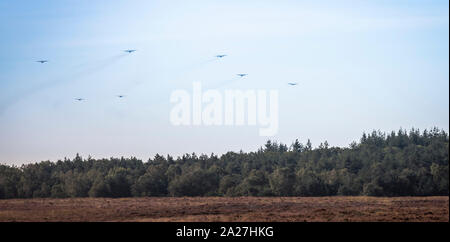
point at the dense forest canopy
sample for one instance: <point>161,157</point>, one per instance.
<point>400,163</point>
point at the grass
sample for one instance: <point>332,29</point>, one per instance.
<point>228,209</point>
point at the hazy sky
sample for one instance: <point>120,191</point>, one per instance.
<point>360,65</point>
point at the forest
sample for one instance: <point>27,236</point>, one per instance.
<point>400,163</point>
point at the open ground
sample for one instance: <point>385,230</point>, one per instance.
<point>228,209</point>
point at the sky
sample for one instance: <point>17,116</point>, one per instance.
<point>360,66</point>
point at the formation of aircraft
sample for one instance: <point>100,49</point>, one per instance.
<point>132,50</point>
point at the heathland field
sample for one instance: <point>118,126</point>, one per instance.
<point>259,209</point>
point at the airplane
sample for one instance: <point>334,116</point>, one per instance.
<point>79,99</point>
<point>220,56</point>
<point>120,96</point>
<point>292,83</point>
<point>42,61</point>
<point>241,75</point>
<point>129,51</point>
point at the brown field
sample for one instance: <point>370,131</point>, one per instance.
<point>255,209</point>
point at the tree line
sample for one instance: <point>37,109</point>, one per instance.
<point>399,163</point>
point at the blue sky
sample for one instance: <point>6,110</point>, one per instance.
<point>360,65</point>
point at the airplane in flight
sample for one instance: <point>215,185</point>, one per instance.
<point>220,56</point>
<point>42,61</point>
<point>129,51</point>
<point>292,83</point>
<point>120,96</point>
<point>241,75</point>
<point>79,99</point>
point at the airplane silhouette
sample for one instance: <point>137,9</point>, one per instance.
<point>42,61</point>
<point>292,83</point>
<point>220,56</point>
<point>79,99</point>
<point>129,51</point>
<point>241,75</point>
<point>120,96</point>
